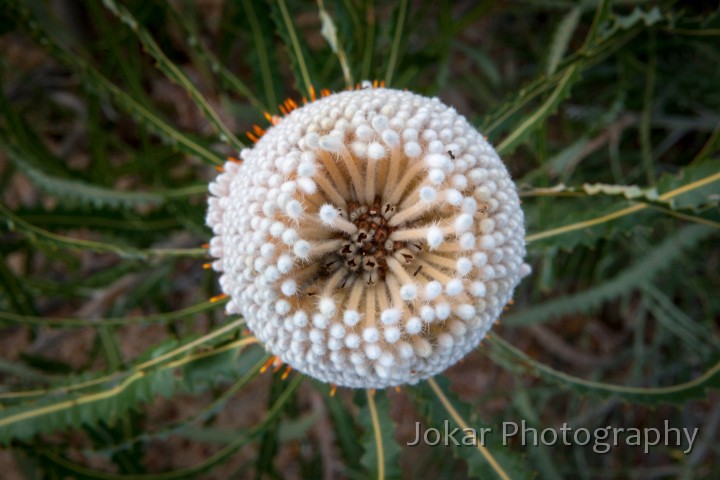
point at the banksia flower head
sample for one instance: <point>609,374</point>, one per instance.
<point>371,238</point>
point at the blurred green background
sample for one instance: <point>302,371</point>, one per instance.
<point>114,361</point>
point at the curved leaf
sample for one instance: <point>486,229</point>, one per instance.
<point>381,450</point>
<point>677,394</point>
<point>655,261</point>
<point>489,459</point>
<point>140,385</point>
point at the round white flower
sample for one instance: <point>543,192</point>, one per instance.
<point>371,238</point>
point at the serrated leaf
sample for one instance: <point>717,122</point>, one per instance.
<point>345,431</point>
<point>626,22</point>
<point>24,421</point>
<point>655,261</point>
<point>561,39</point>
<point>381,450</point>
<point>118,393</point>
<point>692,196</point>
<point>39,236</point>
<point>592,53</point>
<point>82,192</point>
<point>630,192</point>
<point>616,219</point>
<point>489,459</point>
<point>695,389</point>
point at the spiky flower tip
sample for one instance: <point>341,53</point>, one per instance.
<point>370,239</point>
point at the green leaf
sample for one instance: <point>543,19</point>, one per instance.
<point>173,72</point>
<point>615,219</point>
<point>690,189</point>
<point>522,131</point>
<point>297,51</point>
<point>636,17</point>
<point>381,450</point>
<point>345,430</point>
<point>211,60</point>
<point>75,190</point>
<point>141,320</point>
<point>485,455</point>
<point>655,261</point>
<point>402,12</point>
<point>695,389</point>
<point>38,236</point>
<point>594,51</point>
<point>630,192</point>
<point>561,39</point>
<point>242,438</point>
<point>118,394</point>
<point>144,113</point>
<point>262,40</point>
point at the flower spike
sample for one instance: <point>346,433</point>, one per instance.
<point>370,239</point>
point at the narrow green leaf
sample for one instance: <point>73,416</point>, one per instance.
<point>345,430</point>
<point>140,320</point>
<point>485,455</point>
<point>36,235</point>
<point>141,112</point>
<point>691,195</point>
<point>695,389</point>
<point>262,49</point>
<point>120,394</point>
<point>210,59</point>
<point>650,265</point>
<point>561,39</point>
<point>173,72</point>
<point>704,176</point>
<point>286,28</point>
<point>76,190</point>
<point>397,38</point>
<point>381,450</point>
<point>561,92</point>
<point>214,460</point>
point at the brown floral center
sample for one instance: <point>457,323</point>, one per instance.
<point>365,252</point>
